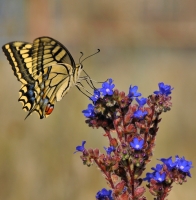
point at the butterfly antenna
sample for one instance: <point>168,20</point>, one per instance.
<point>81,57</point>
<point>98,50</point>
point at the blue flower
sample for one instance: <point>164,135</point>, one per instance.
<point>104,195</point>
<point>158,168</point>
<point>96,96</point>
<point>156,176</point>
<point>141,101</point>
<point>80,148</point>
<point>137,144</point>
<point>109,150</point>
<point>89,112</point>
<point>140,114</point>
<point>164,89</point>
<point>148,177</point>
<point>159,177</point>
<point>133,92</point>
<point>168,162</point>
<point>183,165</point>
<point>107,87</point>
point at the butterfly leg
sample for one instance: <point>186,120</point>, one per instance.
<point>79,86</point>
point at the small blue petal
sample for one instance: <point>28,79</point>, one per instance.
<point>159,177</point>
<point>148,177</point>
<point>183,165</point>
<point>104,194</point>
<point>158,168</point>
<point>109,150</point>
<point>133,92</point>
<point>96,96</point>
<point>141,101</point>
<point>89,112</point>
<point>80,148</point>
<point>140,114</point>
<point>110,81</point>
<point>168,162</point>
<point>137,144</point>
<point>164,89</point>
<point>107,87</point>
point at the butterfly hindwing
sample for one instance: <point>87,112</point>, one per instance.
<point>46,71</point>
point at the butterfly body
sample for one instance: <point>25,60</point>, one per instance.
<point>46,70</point>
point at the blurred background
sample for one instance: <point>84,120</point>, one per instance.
<point>142,43</point>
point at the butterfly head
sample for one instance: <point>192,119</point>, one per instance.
<point>80,66</point>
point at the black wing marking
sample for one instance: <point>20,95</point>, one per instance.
<point>19,55</point>
<point>47,52</point>
<point>56,82</point>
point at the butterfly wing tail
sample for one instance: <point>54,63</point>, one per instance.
<point>32,100</point>
<point>29,98</point>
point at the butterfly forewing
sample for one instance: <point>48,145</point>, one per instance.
<point>45,69</point>
<point>19,55</point>
<point>46,52</point>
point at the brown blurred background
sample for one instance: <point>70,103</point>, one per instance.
<point>142,43</point>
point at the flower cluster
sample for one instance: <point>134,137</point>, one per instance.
<point>163,176</point>
<point>130,123</point>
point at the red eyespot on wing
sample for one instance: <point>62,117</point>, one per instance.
<point>49,109</point>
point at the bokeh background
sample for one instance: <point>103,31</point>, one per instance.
<point>142,43</point>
